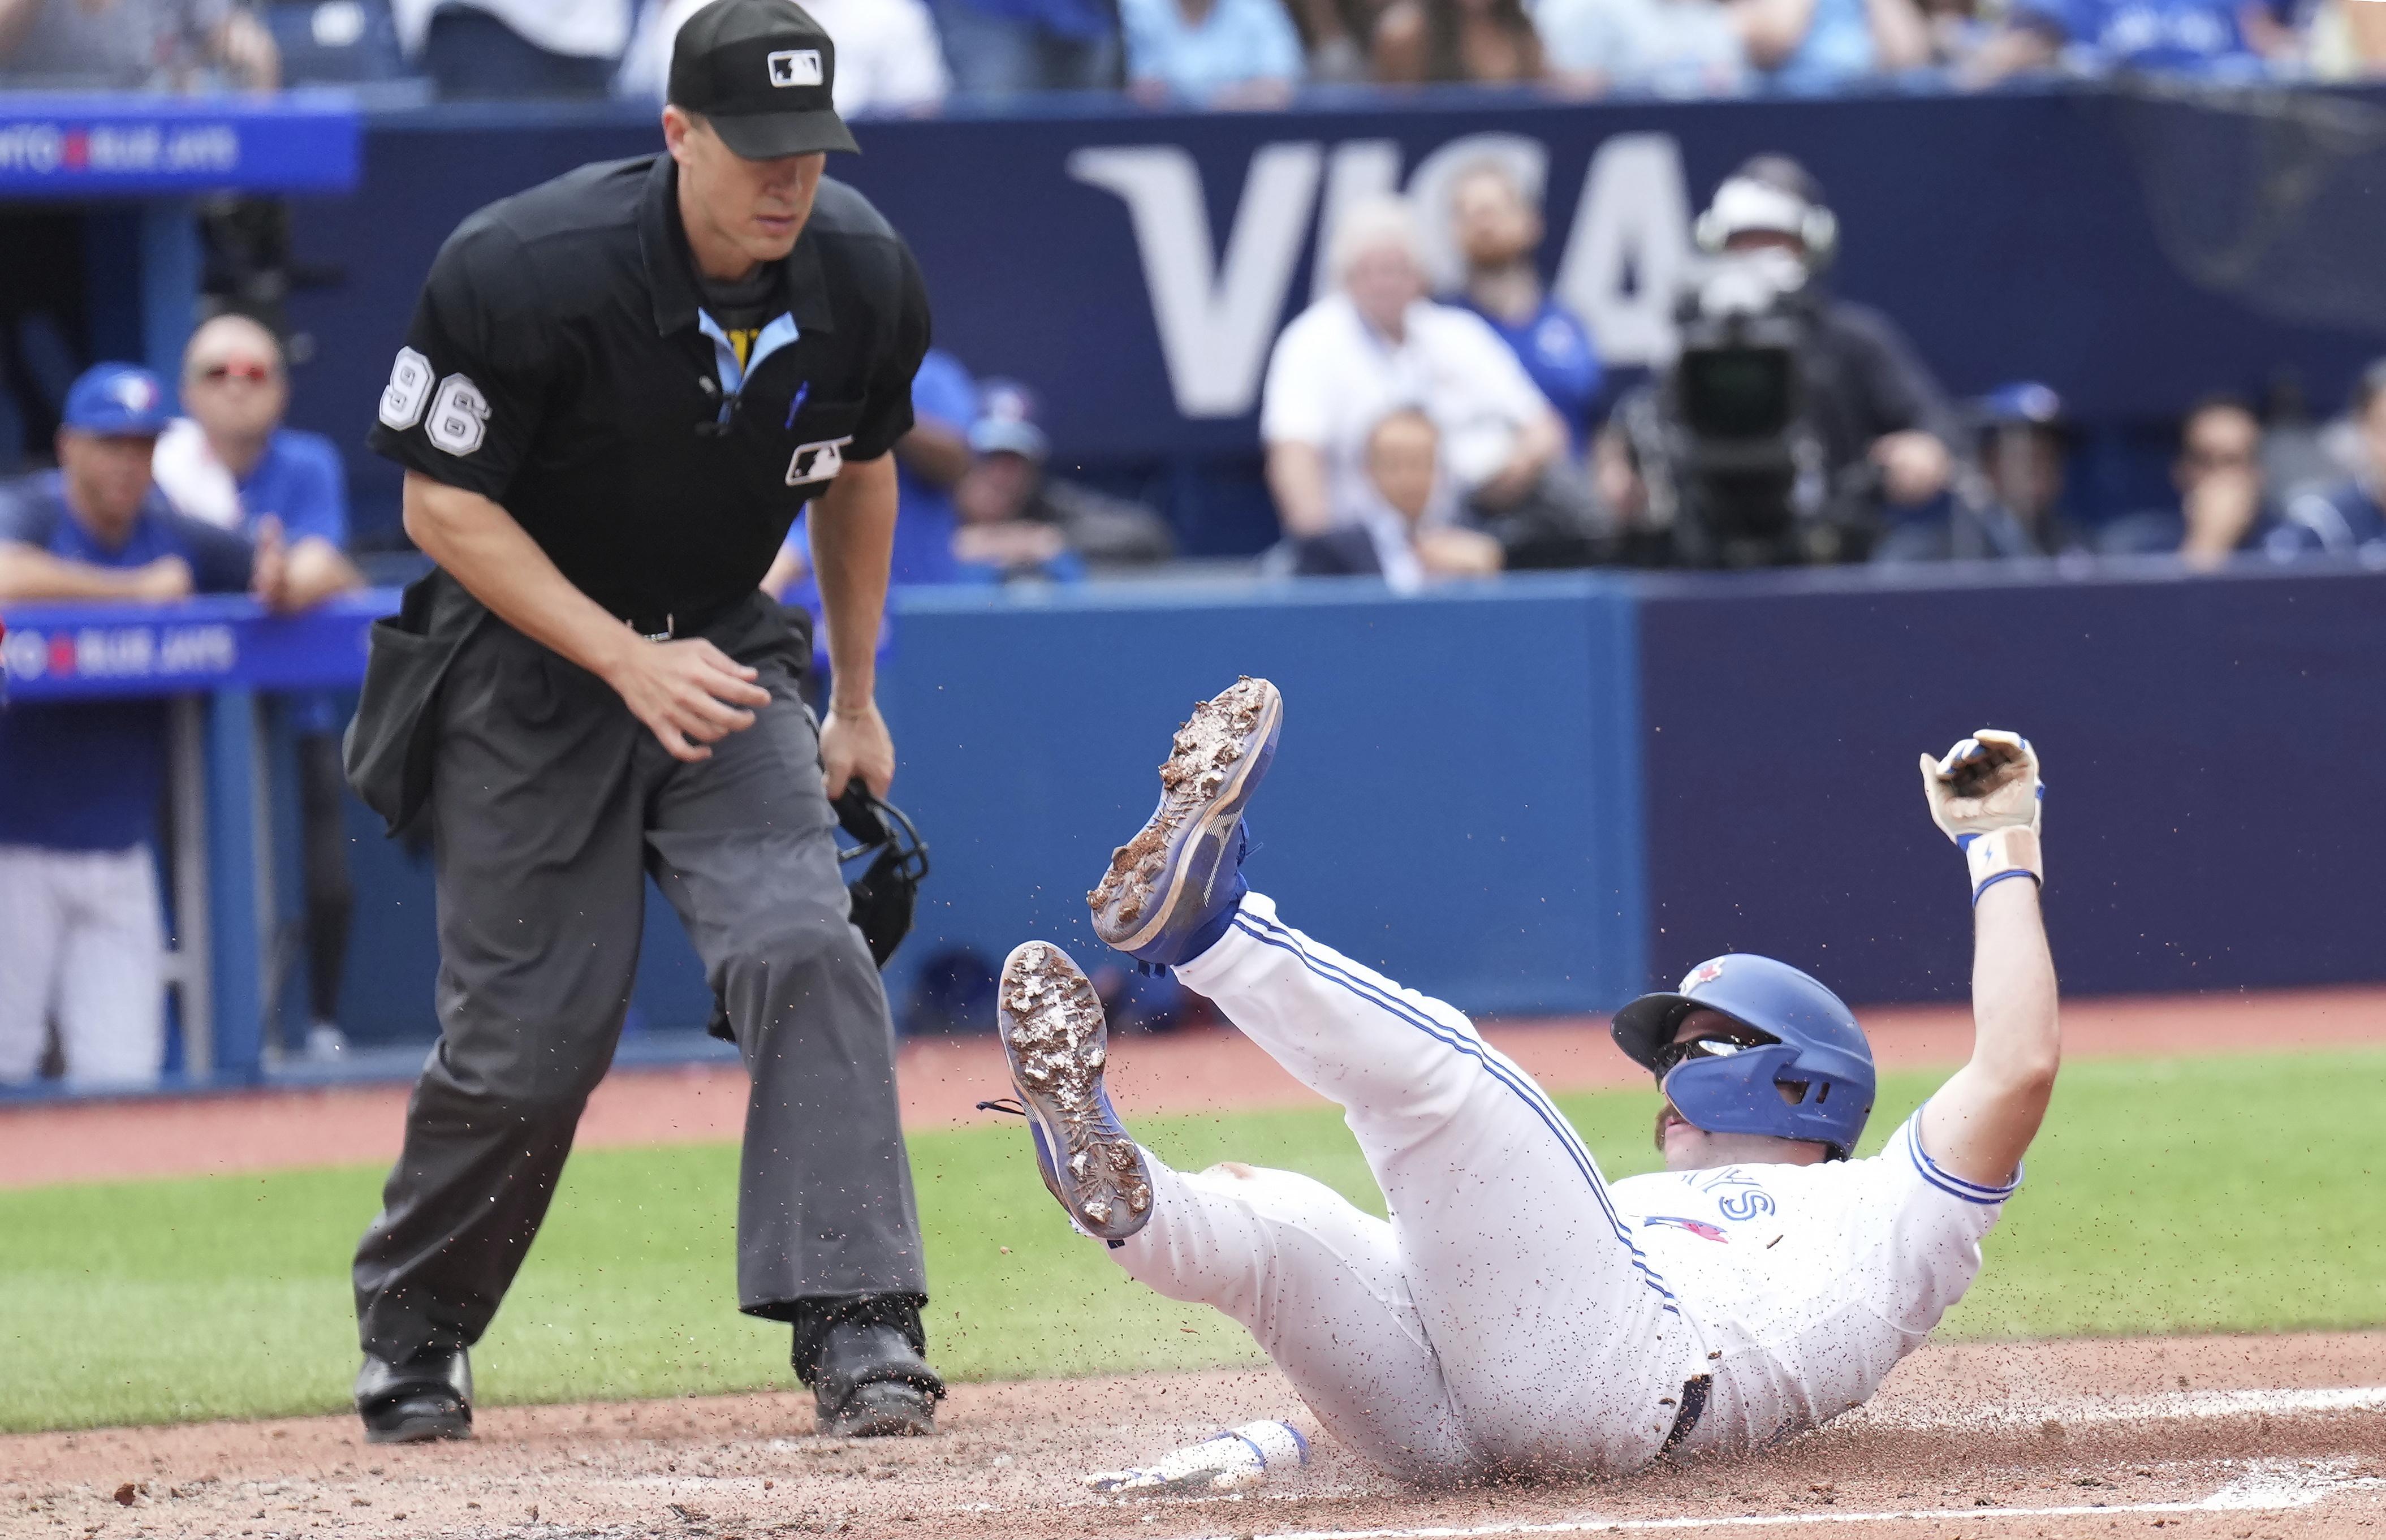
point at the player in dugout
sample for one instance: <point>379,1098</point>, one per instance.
<point>1518,1312</point>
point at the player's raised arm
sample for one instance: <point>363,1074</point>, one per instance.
<point>1985,792</point>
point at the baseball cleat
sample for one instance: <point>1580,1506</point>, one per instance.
<point>1054,1036</point>
<point>428,1399</point>
<point>1171,890</point>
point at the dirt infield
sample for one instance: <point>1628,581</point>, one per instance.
<point>2252,1438</point>
<point>942,1080</point>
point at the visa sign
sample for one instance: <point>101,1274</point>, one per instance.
<point>1218,309</point>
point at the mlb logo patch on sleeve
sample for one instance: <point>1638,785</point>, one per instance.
<point>796,67</point>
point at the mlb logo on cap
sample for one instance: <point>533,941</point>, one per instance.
<point>763,74</point>
<point>796,67</point>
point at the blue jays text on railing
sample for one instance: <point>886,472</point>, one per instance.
<point>61,652</point>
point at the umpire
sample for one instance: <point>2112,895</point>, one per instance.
<point>619,389</point>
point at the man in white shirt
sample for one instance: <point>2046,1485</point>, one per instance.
<point>887,56</point>
<point>1375,345</point>
<point>514,49</point>
<point>1517,1312</point>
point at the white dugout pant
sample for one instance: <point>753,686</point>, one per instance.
<point>82,941</point>
<point>1502,1318</point>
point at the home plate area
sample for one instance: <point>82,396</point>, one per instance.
<point>2249,1439</point>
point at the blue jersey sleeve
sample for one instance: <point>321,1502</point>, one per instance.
<point>314,492</point>
<point>27,521</point>
<point>943,391</point>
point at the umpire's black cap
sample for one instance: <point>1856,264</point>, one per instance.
<point>761,72</point>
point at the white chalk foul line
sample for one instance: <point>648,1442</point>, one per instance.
<point>2170,1406</point>
<point>2268,1490</point>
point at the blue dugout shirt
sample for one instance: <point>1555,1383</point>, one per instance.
<point>89,775</point>
<point>1557,352</point>
<point>300,481</point>
<point>942,393</point>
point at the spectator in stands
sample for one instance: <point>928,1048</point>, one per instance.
<point>1499,233</point>
<point>231,463</point>
<point>1873,400</point>
<point>888,60</point>
<point>2013,507</point>
<point>1212,53</point>
<point>2224,507</point>
<point>1003,48</point>
<point>1393,539</point>
<point>1336,33</point>
<point>78,904</point>
<point>2352,516</point>
<point>1819,45</point>
<point>515,49</point>
<point>1882,424</point>
<point>1017,521</point>
<point>2230,38</point>
<point>1479,42</point>
<point>135,45</point>
<point>1375,344</point>
<point>1958,32</point>
<point>1671,48</point>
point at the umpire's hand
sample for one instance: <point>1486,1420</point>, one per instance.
<point>855,744</point>
<point>690,694</point>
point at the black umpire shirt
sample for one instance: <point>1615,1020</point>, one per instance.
<point>564,363</point>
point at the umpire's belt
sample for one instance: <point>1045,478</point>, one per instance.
<point>680,621</point>
<point>1694,1406</point>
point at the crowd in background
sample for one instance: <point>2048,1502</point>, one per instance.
<point>912,55</point>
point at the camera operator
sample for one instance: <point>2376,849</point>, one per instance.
<point>1791,417</point>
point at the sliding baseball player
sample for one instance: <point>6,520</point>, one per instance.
<point>1517,1312</point>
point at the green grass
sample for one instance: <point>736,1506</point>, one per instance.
<point>2170,1196</point>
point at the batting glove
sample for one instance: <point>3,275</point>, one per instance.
<point>1985,793</point>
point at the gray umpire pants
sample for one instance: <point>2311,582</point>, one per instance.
<point>550,804</point>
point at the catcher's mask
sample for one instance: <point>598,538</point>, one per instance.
<point>1813,1080</point>
<point>887,888</point>
<point>880,897</point>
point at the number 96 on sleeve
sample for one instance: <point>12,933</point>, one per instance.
<point>454,416</point>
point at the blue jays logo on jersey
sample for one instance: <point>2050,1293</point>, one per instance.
<point>1700,1228</point>
<point>1743,1196</point>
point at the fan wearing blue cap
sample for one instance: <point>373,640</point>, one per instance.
<point>1518,1311</point>
<point>78,888</point>
<point>2008,496</point>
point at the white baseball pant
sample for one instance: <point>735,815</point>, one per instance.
<point>1502,1319</point>
<point>82,940</point>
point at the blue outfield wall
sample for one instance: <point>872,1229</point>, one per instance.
<point>1434,752</point>
<point>1550,793</point>
<point>2210,747</point>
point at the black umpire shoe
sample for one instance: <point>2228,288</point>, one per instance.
<point>428,1397</point>
<point>871,1383</point>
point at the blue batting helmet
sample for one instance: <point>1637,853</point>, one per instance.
<point>1813,1080</point>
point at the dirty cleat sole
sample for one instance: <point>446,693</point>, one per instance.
<point>1162,884</point>
<point>1057,1045</point>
